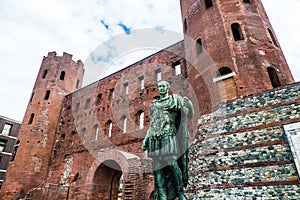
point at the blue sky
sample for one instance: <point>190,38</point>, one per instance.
<point>30,29</point>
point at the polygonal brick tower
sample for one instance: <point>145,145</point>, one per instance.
<point>245,92</point>
<point>239,38</point>
<point>58,76</point>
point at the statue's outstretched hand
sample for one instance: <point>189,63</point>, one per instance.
<point>188,107</point>
<point>145,143</point>
<point>186,102</point>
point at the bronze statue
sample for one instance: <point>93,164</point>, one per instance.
<point>167,142</point>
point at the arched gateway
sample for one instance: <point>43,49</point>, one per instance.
<point>106,181</point>
<point>106,171</point>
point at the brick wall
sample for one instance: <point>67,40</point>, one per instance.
<point>80,149</point>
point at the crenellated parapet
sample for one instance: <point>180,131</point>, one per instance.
<point>58,76</point>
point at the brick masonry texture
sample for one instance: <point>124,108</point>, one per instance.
<point>76,168</point>
<point>238,147</point>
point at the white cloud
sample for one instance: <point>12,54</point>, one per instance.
<point>30,29</point>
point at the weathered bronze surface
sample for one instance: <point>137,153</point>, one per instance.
<point>167,142</point>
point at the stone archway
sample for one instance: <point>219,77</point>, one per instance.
<point>106,181</point>
<point>104,175</point>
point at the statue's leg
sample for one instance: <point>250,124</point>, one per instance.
<point>159,190</point>
<point>177,179</point>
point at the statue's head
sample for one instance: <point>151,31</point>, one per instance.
<point>163,87</point>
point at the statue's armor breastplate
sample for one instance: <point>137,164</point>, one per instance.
<point>163,119</point>
<point>168,125</point>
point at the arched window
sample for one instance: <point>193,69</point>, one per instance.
<point>223,71</point>
<point>31,118</point>
<point>108,128</point>
<point>185,27</point>
<point>87,104</point>
<point>45,73</point>
<point>199,48</point>
<point>140,119</point>
<point>83,134</point>
<point>142,82</point>
<point>227,89</point>
<point>77,107</point>
<point>96,131</point>
<point>273,38</point>
<point>237,32</point>
<point>177,69</point>
<point>99,98</point>
<point>158,75</point>
<point>62,75</point>
<point>124,120</point>
<point>273,77</point>
<point>208,4</point>
<point>77,84</point>
<point>112,93</point>
<point>47,95</point>
<point>125,85</point>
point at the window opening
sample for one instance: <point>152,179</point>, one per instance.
<point>112,93</point>
<point>109,128</point>
<point>208,4</point>
<point>177,70</point>
<point>124,124</point>
<point>140,119</point>
<point>83,134</point>
<point>224,73</point>
<point>99,98</point>
<point>96,131</point>
<point>273,77</point>
<point>237,32</point>
<point>62,75</point>
<point>158,75</point>
<point>273,38</point>
<point>142,82</point>
<point>47,95</point>
<point>77,107</point>
<point>185,27</point>
<point>7,129</point>
<point>126,88</point>
<point>31,118</point>
<point>77,84</point>
<point>199,48</point>
<point>2,145</point>
<point>87,104</point>
<point>45,73</point>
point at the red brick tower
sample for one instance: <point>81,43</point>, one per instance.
<point>58,76</point>
<point>238,36</point>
